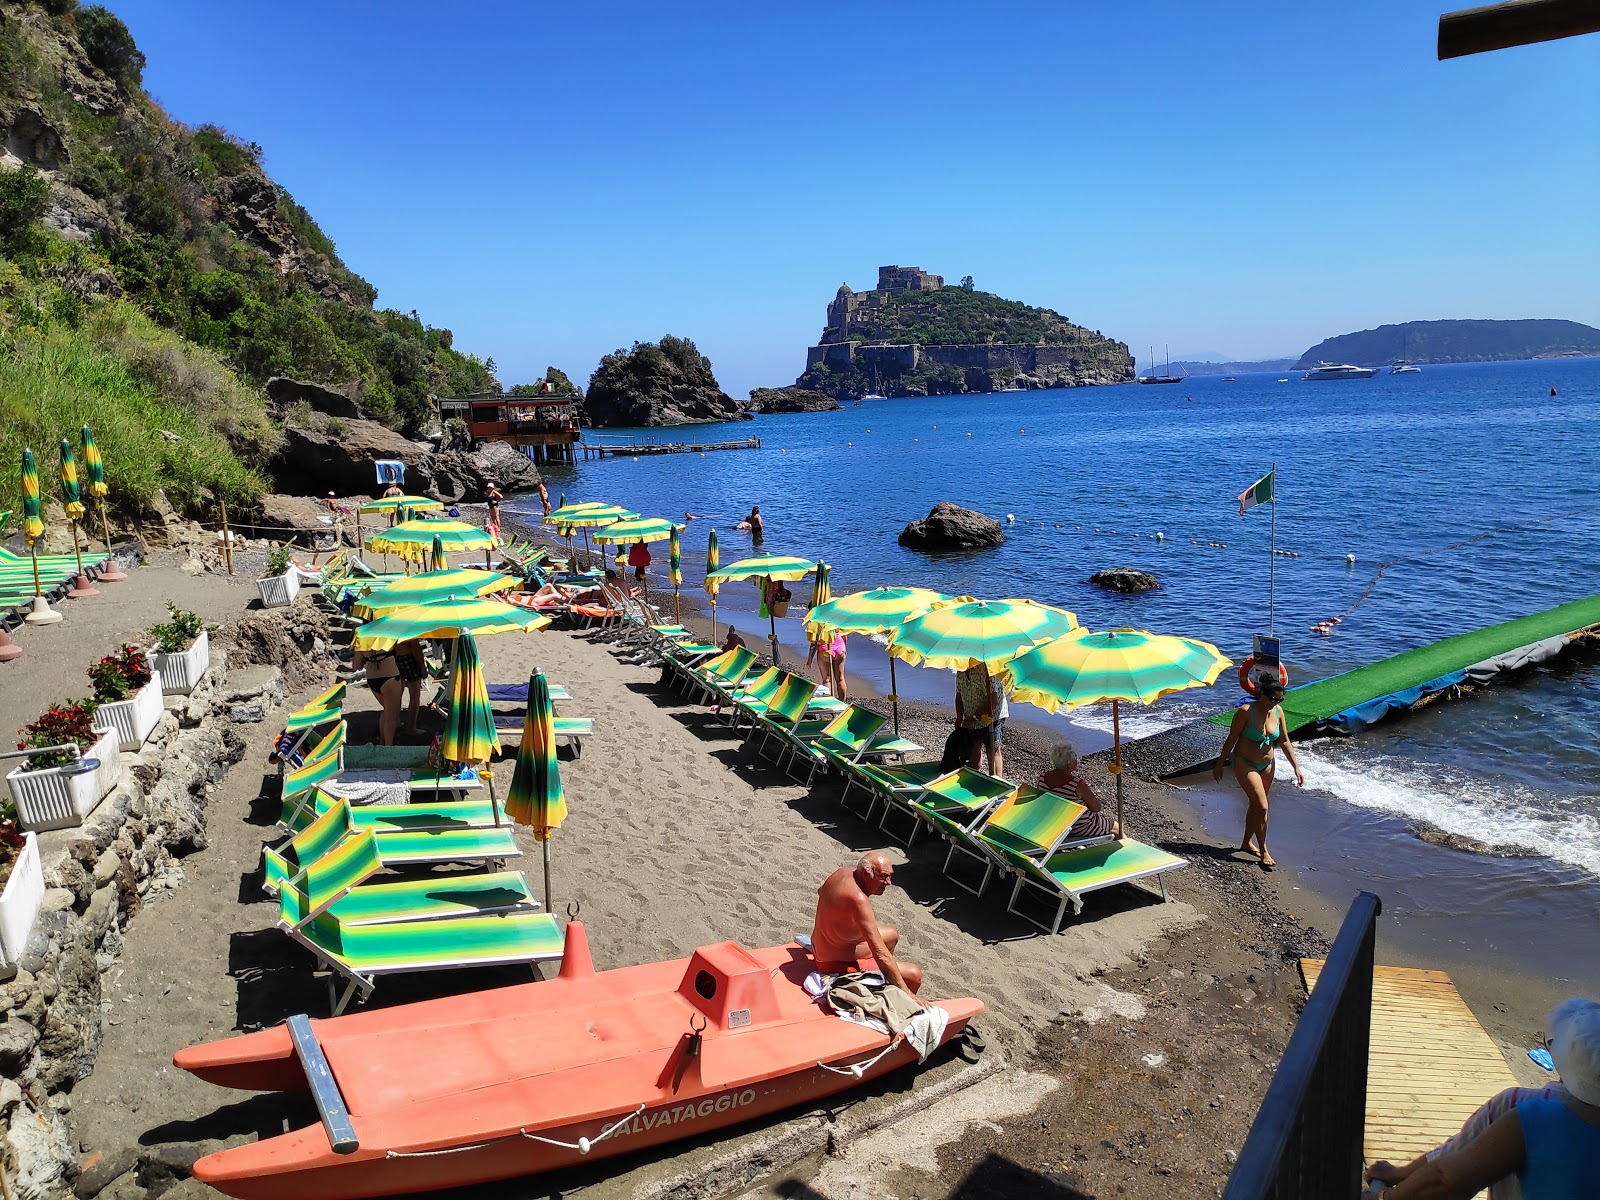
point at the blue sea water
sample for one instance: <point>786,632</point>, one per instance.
<point>1397,469</point>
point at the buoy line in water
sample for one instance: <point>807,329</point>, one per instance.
<point>1326,627</point>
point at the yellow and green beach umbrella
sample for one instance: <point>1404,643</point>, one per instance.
<point>413,538</point>
<point>32,504</point>
<point>469,735</point>
<point>71,497</point>
<point>391,504</point>
<point>536,797</point>
<point>876,610</point>
<point>991,632</point>
<point>94,466</point>
<point>675,568</point>
<point>446,619</point>
<point>589,515</point>
<point>1117,665</point>
<point>429,587</point>
<point>713,561</point>
<point>637,529</point>
<point>762,568</point>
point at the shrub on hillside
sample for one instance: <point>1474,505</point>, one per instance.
<point>110,46</point>
<point>24,196</point>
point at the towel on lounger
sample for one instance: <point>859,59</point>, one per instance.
<point>368,793</point>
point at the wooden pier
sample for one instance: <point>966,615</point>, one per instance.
<point>1430,1063</point>
<point>637,449</point>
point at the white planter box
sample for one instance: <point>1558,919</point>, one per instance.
<point>132,719</point>
<point>181,672</point>
<point>278,590</point>
<point>19,903</point>
<point>48,799</point>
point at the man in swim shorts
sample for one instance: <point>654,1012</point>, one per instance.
<point>846,929</point>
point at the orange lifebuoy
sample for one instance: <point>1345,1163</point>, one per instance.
<point>1249,684</point>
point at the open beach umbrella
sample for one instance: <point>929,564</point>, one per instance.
<point>1117,665</point>
<point>638,529</point>
<point>877,610</point>
<point>536,797</point>
<point>766,569</point>
<point>412,538</point>
<point>428,587</point>
<point>447,619</point>
<point>72,500</point>
<point>990,632</point>
<point>586,516</point>
<point>675,567</point>
<point>391,504</point>
<point>713,561</point>
<point>469,735</point>
<point>94,466</point>
<point>33,530</point>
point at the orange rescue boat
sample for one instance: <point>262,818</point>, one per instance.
<point>535,1077</point>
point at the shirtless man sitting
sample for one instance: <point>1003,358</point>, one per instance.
<point>847,930</point>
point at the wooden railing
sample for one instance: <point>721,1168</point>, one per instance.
<point>1306,1140</point>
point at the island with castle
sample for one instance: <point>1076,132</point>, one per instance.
<point>914,336</point>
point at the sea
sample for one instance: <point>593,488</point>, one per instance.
<point>1412,506</point>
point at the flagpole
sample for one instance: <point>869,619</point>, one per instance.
<point>1272,556</point>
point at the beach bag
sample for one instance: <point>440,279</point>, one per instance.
<point>957,748</point>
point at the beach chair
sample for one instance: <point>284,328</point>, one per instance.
<point>853,734</point>
<point>517,693</point>
<point>376,769</point>
<point>302,810</point>
<point>962,798</point>
<point>753,695</point>
<point>882,782</point>
<point>1071,873</point>
<point>1034,824</point>
<point>344,927</point>
<point>406,848</point>
<point>786,710</point>
<point>726,671</point>
<point>570,730</point>
<point>680,658</point>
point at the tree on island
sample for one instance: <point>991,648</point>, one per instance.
<point>554,382</point>
<point>966,283</point>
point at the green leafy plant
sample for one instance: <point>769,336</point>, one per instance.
<point>277,561</point>
<point>118,676</point>
<point>178,632</point>
<point>71,721</point>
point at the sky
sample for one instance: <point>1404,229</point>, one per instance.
<point>555,181</point>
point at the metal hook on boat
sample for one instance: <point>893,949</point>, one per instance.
<point>692,1050</point>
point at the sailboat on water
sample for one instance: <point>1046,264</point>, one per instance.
<point>1166,376</point>
<point>874,394</point>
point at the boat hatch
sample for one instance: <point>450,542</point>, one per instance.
<point>727,984</point>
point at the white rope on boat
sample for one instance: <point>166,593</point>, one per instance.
<point>583,1145</point>
<point>857,1070</point>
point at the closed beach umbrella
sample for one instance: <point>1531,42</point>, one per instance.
<point>446,619</point>
<point>94,466</point>
<point>675,567</point>
<point>991,632</point>
<point>536,797</point>
<point>33,530</point>
<point>713,561</point>
<point>1117,665</point>
<point>438,563</point>
<point>765,568</point>
<point>877,610</point>
<point>72,501</point>
<point>469,735</point>
<point>428,587</point>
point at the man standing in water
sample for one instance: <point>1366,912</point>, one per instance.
<point>846,929</point>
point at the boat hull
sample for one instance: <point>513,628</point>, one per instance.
<point>516,1081</point>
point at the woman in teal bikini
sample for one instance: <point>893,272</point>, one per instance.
<point>1257,730</point>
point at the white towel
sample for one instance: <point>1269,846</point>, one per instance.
<point>360,792</point>
<point>925,1031</point>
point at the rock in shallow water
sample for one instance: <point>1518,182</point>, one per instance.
<point>1125,579</point>
<point>951,527</point>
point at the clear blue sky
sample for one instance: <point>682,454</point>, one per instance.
<point>553,181</point>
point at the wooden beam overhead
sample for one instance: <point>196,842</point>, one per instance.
<point>1515,23</point>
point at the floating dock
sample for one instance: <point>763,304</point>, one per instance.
<point>1430,1064</point>
<point>640,449</point>
<point>1353,700</point>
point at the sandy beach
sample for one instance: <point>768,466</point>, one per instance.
<point>1131,1049</point>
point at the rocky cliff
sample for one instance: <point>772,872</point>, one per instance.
<point>1456,341</point>
<point>790,400</point>
<point>658,383</point>
<point>912,336</point>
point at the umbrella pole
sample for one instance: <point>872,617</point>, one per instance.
<point>713,618</point>
<point>1116,764</point>
<point>772,624</point>
<point>42,613</point>
<point>82,587</point>
<point>677,606</point>
<point>494,808</point>
<point>112,573</point>
<point>545,845</point>
<point>894,697</point>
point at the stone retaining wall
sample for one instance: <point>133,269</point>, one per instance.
<point>97,876</point>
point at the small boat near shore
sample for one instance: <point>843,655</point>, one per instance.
<point>1326,370</point>
<point>531,1078</point>
<point>1402,367</point>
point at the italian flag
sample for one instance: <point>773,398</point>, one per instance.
<point>1259,492</point>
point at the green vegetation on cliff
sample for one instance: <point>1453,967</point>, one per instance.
<point>119,202</point>
<point>955,316</point>
<point>1456,341</point>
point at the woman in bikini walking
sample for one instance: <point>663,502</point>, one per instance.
<point>1258,729</point>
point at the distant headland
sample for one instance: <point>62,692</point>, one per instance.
<point>1456,341</point>
<point>913,336</point>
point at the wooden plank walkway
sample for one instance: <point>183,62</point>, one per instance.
<point>1430,1065</point>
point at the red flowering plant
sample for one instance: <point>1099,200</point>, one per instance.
<point>60,724</point>
<point>118,676</point>
<point>11,840</point>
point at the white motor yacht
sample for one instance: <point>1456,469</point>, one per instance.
<point>1325,370</point>
<point>1402,367</point>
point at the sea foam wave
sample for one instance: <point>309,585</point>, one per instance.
<point>1506,818</point>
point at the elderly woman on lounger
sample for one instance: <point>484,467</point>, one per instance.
<point>1063,779</point>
